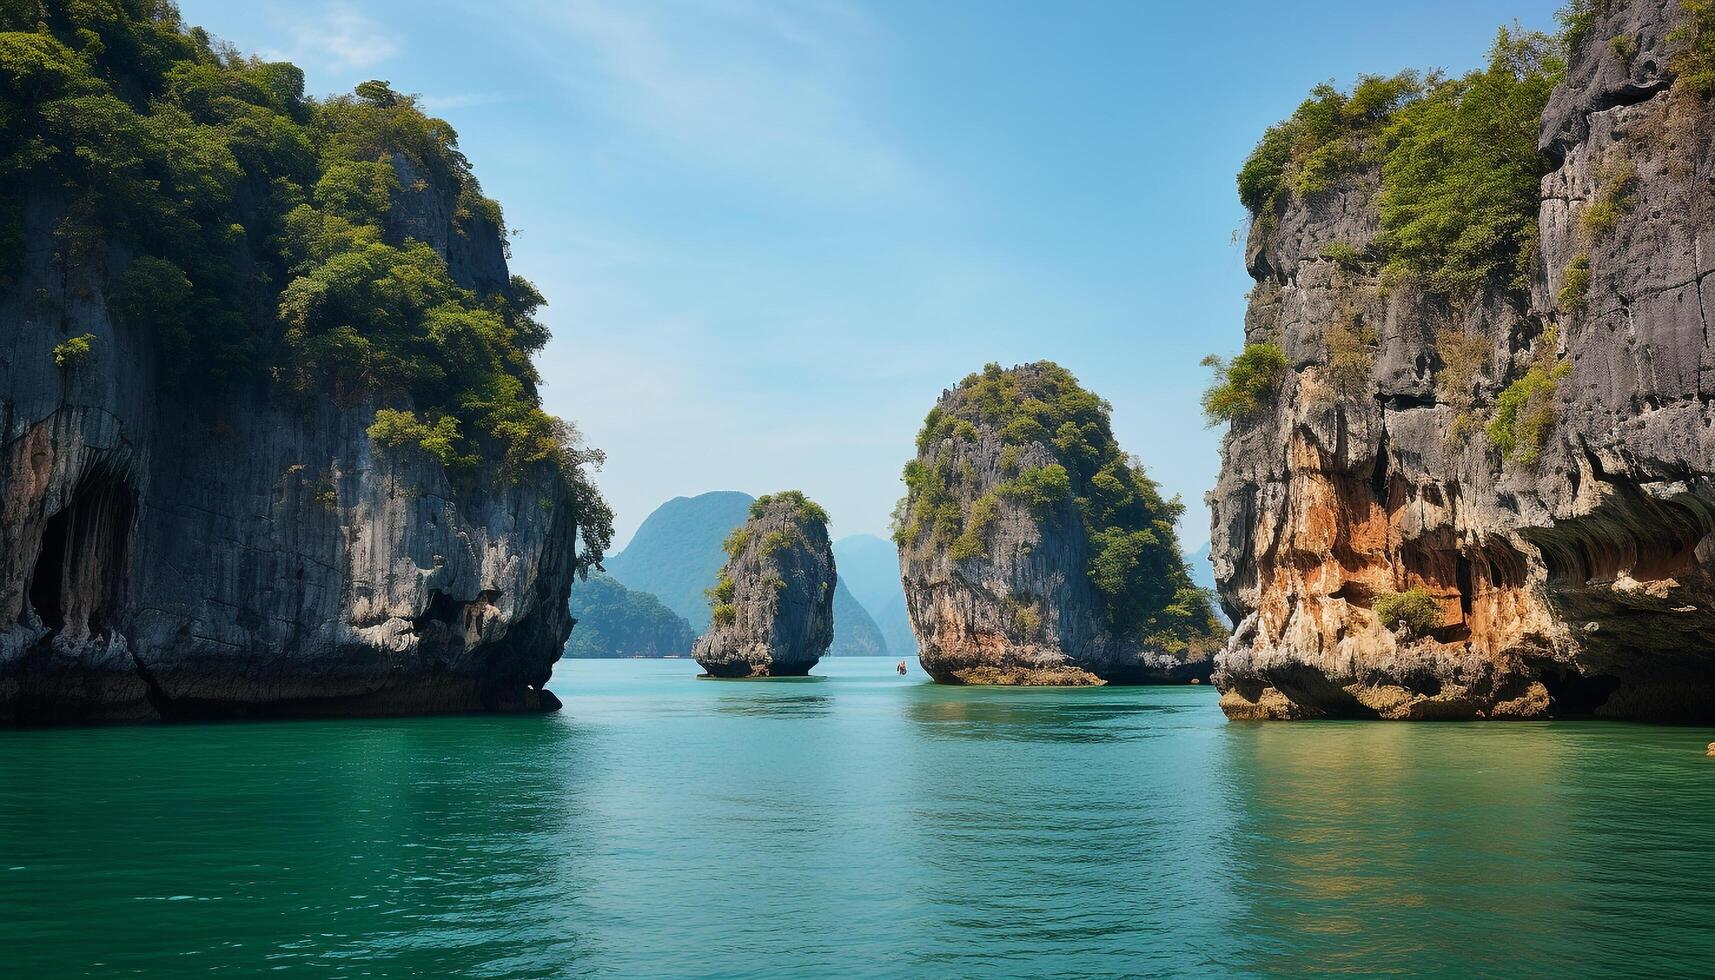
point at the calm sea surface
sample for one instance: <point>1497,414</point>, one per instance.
<point>856,823</point>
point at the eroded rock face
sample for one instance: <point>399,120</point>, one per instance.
<point>774,600</point>
<point>995,555</point>
<point>1579,584</point>
<point>234,555</point>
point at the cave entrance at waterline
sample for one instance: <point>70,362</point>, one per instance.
<point>80,566</point>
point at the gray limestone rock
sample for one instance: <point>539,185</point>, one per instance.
<point>240,553</point>
<point>774,599</point>
<point>1007,597</point>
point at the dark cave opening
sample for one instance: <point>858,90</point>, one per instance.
<point>79,568</point>
<point>1378,476</point>
<point>1462,578</point>
<point>1574,694</point>
<point>443,609</point>
<point>47,579</point>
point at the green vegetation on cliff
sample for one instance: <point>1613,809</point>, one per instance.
<point>247,227</point>
<point>1243,385</point>
<point>1328,136</point>
<point>1461,173</point>
<point>1134,562</point>
<point>73,352</point>
<point>1414,610</point>
<point>805,510</point>
<point>1457,158</point>
<point>1577,19</point>
<point>1694,62</point>
<point>1527,409</point>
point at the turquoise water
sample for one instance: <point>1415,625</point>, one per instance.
<point>857,824</point>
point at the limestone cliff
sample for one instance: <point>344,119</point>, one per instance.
<point>773,602</point>
<point>1034,552</point>
<point>237,545</point>
<point>1535,456</point>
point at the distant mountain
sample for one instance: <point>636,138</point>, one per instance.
<point>870,566</point>
<point>676,553</point>
<point>614,621</point>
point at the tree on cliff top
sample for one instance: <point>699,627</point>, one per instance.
<point>258,218</point>
<point>1457,157</point>
<point>1134,564</point>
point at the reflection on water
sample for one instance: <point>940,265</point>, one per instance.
<point>778,706</point>
<point>1068,715</point>
<point>861,824</point>
<point>1408,847</point>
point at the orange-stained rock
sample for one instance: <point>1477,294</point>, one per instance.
<point>1577,585</point>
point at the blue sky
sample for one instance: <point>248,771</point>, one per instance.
<point>771,233</point>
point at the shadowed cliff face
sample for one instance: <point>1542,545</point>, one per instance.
<point>235,554</point>
<point>1576,583</point>
<point>774,601</point>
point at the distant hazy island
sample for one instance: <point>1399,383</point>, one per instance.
<point>674,558</point>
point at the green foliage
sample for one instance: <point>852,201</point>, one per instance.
<point>1616,189</point>
<point>1040,488</point>
<point>238,195</point>
<point>1414,609</point>
<point>1575,285</point>
<point>1694,62</point>
<point>1026,617</point>
<point>358,191</point>
<point>723,613</point>
<point>1041,410</point>
<point>973,540</point>
<point>1625,48</point>
<point>1527,409</point>
<point>327,495</point>
<point>1351,355</point>
<point>929,503</point>
<point>1461,170</point>
<point>1577,19</point>
<point>1345,255</point>
<point>722,591</point>
<point>614,621</point>
<point>1243,386</point>
<point>804,510</point>
<point>737,541</point>
<point>153,295</point>
<point>394,428</point>
<point>1328,136</point>
<point>1462,355</point>
<point>1458,161</point>
<point>74,352</point>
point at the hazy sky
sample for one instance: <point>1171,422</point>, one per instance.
<point>771,233</point>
